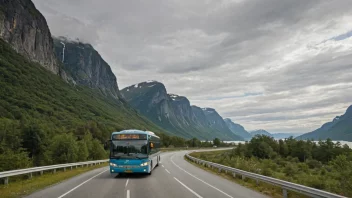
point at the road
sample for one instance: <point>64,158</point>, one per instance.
<point>174,177</point>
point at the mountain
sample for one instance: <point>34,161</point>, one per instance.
<point>26,30</point>
<point>260,132</point>
<point>86,67</point>
<point>237,129</point>
<point>175,114</point>
<point>285,135</point>
<point>32,96</point>
<point>340,128</point>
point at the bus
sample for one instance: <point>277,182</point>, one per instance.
<point>134,151</point>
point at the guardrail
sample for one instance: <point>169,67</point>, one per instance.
<point>285,185</point>
<point>30,171</point>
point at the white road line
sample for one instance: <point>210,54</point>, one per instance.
<point>126,182</point>
<point>81,184</point>
<point>200,179</point>
<point>167,171</point>
<point>162,166</point>
<point>128,194</point>
<point>188,188</point>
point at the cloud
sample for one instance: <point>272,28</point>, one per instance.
<point>281,65</point>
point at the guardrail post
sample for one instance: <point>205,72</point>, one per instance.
<point>76,166</point>
<point>71,167</point>
<point>65,169</point>
<point>219,170</point>
<point>284,193</point>
<point>6,181</point>
<point>257,182</point>
<point>54,171</point>
<point>243,177</point>
<point>234,174</point>
<point>41,172</point>
<point>30,175</point>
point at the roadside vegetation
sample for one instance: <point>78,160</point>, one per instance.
<point>20,186</point>
<point>324,165</point>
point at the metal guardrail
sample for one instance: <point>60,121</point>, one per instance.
<point>30,171</point>
<point>285,185</point>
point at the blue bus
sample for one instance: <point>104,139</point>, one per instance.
<point>134,151</point>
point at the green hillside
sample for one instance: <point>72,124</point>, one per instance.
<point>38,107</point>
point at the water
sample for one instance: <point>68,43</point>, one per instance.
<point>342,142</point>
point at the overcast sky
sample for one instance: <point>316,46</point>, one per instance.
<point>280,65</point>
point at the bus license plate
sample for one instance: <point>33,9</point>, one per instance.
<point>128,171</point>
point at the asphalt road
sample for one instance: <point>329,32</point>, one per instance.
<point>174,177</point>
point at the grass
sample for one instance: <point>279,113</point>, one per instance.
<point>21,187</point>
<point>264,188</point>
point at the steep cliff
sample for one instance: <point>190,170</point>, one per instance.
<point>86,67</point>
<point>26,30</point>
<point>174,113</point>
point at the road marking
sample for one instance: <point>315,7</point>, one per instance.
<point>188,188</point>
<point>81,184</point>
<point>162,166</point>
<point>167,171</point>
<point>126,182</point>
<point>128,194</point>
<point>200,179</point>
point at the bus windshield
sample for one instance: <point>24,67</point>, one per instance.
<point>128,149</point>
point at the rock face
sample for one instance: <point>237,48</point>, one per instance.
<point>26,30</point>
<point>175,114</point>
<point>340,128</point>
<point>237,129</point>
<point>86,67</point>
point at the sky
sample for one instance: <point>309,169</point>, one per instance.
<point>278,65</point>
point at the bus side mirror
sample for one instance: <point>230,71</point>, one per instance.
<point>106,144</point>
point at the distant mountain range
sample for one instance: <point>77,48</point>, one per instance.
<point>238,129</point>
<point>340,128</point>
<point>260,132</point>
<point>175,114</point>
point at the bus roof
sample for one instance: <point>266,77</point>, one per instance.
<point>135,131</point>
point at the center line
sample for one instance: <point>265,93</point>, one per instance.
<point>128,194</point>
<point>167,171</point>
<point>188,188</point>
<point>127,182</point>
<point>81,184</point>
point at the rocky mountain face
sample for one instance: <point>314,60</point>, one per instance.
<point>238,129</point>
<point>175,114</point>
<point>26,30</point>
<point>86,67</point>
<point>340,128</point>
<point>260,132</point>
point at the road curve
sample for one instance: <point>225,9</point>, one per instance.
<point>174,177</point>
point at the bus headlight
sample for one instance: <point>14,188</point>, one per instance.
<point>112,164</point>
<point>144,164</point>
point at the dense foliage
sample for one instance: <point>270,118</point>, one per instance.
<point>324,165</point>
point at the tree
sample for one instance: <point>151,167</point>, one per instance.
<point>63,149</point>
<point>216,142</point>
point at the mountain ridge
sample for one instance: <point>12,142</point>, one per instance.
<point>340,128</point>
<point>238,129</point>
<point>175,113</point>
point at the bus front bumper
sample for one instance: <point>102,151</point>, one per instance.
<point>129,169</point>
